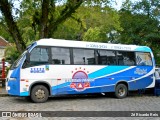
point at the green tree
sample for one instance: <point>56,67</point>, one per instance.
<point>46,17</point>
<point>71,29</point>
<point>91,23</point>
<point>5,7</point>
<point>140,23</point>
<point>88,20</point>
<point>100,22</point>
<point>51,16</point>
<point>11,53</point>
<point>93,34</point>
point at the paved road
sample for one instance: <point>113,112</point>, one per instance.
<point>84,103</point>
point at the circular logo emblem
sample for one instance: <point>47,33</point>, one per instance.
<point>80,77</point>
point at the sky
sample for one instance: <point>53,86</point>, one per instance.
<point>118,3</point>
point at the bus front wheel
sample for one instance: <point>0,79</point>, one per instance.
<point>121,91</point>
<point>39,94</point>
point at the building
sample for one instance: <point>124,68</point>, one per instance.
<point>3,45</point>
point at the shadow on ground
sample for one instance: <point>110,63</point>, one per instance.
<point>97,96</point>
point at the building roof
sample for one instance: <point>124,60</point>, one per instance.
<point>3,42</point>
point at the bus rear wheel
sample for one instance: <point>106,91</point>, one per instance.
<point>39,94</point>
<point>121,91</point>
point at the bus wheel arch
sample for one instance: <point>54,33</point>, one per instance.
<point>39,92</point>
<point>121,89</point>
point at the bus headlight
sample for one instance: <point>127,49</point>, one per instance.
<point>8,88</point>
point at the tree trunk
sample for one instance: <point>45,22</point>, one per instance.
<point>5,8</point>
<point>69,9</point>
<point>44,19</point>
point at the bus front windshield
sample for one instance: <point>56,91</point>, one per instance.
<point>18,61</point>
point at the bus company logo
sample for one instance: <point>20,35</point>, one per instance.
<point>80,79</point>
<point>37,70</point>
<point>140,71</point>
<point>47,67</point>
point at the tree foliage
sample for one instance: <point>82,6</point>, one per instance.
<point>50,17</point>
<point>46,17</point>
<point>140,23</point>
<point>11,53</point>
<point>6,8</point>
<point>90,23</point>
<point>88,20</point>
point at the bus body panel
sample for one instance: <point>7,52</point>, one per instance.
<point>14,82</point>
<point>91,79</point>
<point>79,79</point>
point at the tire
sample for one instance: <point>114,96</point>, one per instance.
<point>121,91</point>
<point>39,94</point>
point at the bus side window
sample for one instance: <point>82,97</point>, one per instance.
<point>83,56</point>
<point>143,59</point>
<point>126,58</point>
<point>60,55</point>
<point>106,57</point>
<point>39,56</point>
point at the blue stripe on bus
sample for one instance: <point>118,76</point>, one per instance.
<point>104,83</point>
<point>139,84</point>
<point>15,84</point>
<point>117,75</point>
<point>145,49</point>
<point>60,85</point>
<point>24,93</point>
<point>106,70</point>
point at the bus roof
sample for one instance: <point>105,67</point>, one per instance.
<point>93,45</point>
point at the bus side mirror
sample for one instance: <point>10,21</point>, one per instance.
<point>28,57</point>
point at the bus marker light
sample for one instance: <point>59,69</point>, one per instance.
<point>27,80</point>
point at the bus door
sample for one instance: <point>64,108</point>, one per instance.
<point>144,70</point>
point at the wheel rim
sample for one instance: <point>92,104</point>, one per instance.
<point>121,91</point>
<point>40,94</point>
